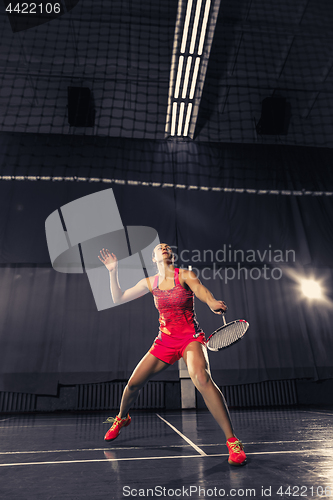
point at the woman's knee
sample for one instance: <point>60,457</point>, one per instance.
<point>201,378</point>
<point>134,385</point>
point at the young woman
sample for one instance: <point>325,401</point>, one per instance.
<point>179,336</point>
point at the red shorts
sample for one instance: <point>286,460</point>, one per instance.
<point>170,349</point>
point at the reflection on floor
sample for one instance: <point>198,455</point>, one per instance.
<point>178,454</point>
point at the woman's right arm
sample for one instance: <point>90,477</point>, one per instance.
<point>111,263</point>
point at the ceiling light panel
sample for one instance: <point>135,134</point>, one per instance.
<point>195,26</point>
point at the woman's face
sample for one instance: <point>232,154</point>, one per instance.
<point>162,252</point>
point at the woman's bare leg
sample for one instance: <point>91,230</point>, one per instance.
<point>144,371</point>
<point>196,359</point>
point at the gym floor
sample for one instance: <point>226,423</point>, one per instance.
<point>178,454</point>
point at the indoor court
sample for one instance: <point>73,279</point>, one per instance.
<point>166,175</point>
<point>40,456</point>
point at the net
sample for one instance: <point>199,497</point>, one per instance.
<point>85,92</point>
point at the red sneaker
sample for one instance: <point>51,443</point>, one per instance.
<point>118,423</point>
<point>236,453</point>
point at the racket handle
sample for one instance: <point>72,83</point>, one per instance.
<point>223,317</point>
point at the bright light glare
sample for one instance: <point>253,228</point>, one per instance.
<point>311,289</point>
<point>179,76</point>
<point>173,119</point>
<point>195,26</point>
<point>180,120</point>
<point>204,27</point>
<point>186,25</point>
<point>187,120</point>
<point>194,77</point>
<point>187,76</point>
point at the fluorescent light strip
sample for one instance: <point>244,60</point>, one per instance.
<point>179,76</point>
<point>187,120</point>
<point>173,121</point>
<point>180,119</point>
<point>204,27</point>
<point>194,77</point>
<point>187,76</point>
<point>186,25</point>
<point>195,26</point>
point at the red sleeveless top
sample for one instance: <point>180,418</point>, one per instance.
<point>176,308</point>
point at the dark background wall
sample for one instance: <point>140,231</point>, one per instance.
<point>266,199</point>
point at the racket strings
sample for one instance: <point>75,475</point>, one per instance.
<point>227,335</point>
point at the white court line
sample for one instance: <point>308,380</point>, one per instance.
<point>62,462</point>
<point>80,450</point>
<point>318,451</point>
<point>36,452</point>
<point>199,450</point>
<point>123,448</point>
<point>317,412</point>
<point>100,460</point>
<point>259,443</point>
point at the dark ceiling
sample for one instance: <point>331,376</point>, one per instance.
<point>122,50</point>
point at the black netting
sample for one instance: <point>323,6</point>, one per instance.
<point>266,69</point>
<point>86,94</point>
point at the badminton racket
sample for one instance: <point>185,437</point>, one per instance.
<point>227,334</point>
